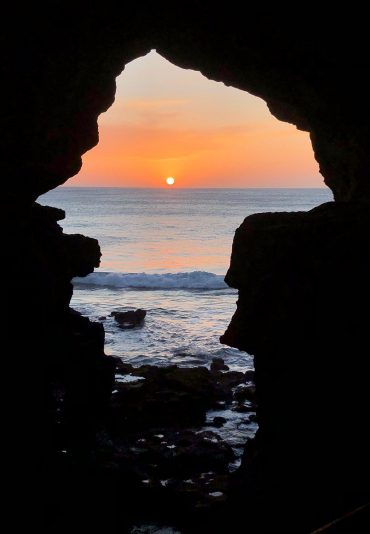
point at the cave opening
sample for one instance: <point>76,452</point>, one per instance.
<point>230,157</point>
<point>302,277</point>
<point>167,249</point>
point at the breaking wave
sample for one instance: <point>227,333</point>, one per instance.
<point>191,280</point>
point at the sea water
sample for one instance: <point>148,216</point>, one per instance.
<point>167,251</point>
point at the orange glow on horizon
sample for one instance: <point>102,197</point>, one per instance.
<point>205,134</point>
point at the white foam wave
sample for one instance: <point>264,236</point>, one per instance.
<point>192,280</point>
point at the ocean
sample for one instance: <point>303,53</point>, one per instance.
<point>167,251</point>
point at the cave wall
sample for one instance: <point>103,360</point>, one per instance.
<point>303,281</point>
<point>60,68</point>
<point>302,278</point>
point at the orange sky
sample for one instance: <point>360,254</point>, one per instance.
<point>167,121</point>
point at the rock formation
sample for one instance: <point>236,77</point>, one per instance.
<point>303,278</point>
<point>129,319</point>
<point>301,314</point>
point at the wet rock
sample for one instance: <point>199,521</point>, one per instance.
<point>187,453</point>
<point>123,368</point>
<point>242,408</point>
<point>218,364</point>
<point>249,375</point>
<point>169,396</point>
<point>243,393</point>
<point>218,422</point>
<point>230,379</point>
<point>176,457</point>
<point>129,319</point>
<point>102,318</point>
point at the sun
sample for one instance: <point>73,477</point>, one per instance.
<point>170,180</point>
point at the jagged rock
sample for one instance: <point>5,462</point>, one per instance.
<point>249,375</point>
<point>243,393</point>
<point>82,252</point>
<point>218,421</point>
<point>230,379</point>
<point>129,319</point>
<point>123,368</point>
<point>218,364</point>
<point>48,212</point>
<point>169,396</point>
<point>183,454</point>
<point>243,408</point>
<point>298,275</point>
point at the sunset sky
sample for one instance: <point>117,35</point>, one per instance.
<point>167,121</point>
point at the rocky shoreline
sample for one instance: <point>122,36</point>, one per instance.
<point>148,444</point>
<point>161,441</point>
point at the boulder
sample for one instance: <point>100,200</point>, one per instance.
<point>218,364</point>
<point>129,319</point>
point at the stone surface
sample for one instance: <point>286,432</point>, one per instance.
<point>218,364</point>
<point>303,281</point>
<point>170,396</point>
<point>314,79</point>
<point>129,319</point>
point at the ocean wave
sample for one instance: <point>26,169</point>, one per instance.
<point>192,280</point>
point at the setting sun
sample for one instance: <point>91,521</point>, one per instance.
<point>170,180</point>
<point>202,132</point>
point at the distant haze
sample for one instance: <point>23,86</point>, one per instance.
<point>168,121</point>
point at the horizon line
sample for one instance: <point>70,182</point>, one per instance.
<point>175,188</point>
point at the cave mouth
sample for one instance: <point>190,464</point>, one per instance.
<point>229,156</point>
<point>167,250</point>
<point>319,266</point>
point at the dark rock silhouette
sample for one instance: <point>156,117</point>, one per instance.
<point>218,421</point>
<point>172,396</point>
<point>303,279</point>
<point>129,319</point>
<point>299,313</point>
<point>218,364</point>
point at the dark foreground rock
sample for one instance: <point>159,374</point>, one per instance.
<point>129,319</point>
<point>171,396</point>
<point>154,450</point>
<point>298,275</point>
<point>218,364</point>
